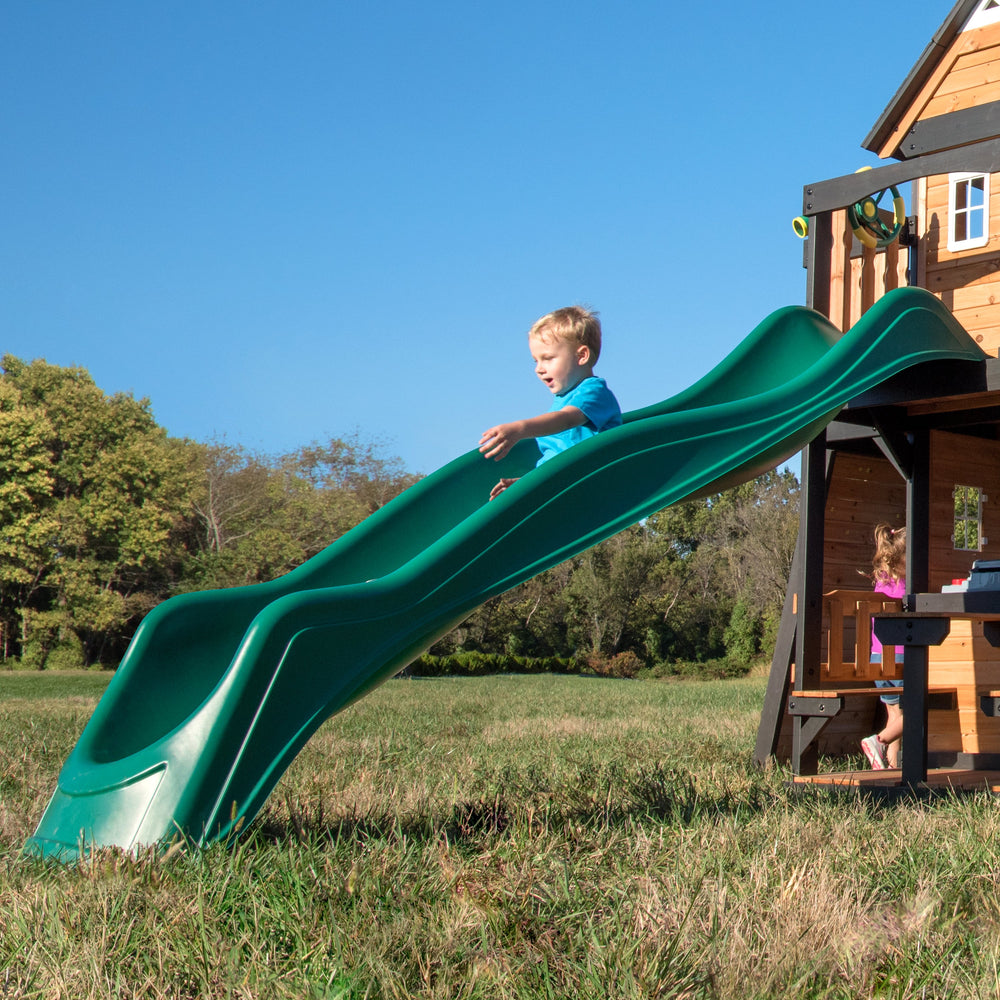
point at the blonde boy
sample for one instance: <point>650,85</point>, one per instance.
<point>565,346</point>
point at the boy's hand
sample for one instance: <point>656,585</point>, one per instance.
<point>500,487</point>
<point>497,441</point>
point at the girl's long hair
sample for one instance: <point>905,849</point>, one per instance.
<point>889,561</point>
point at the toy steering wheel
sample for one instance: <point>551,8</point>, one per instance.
<point>867,222</point>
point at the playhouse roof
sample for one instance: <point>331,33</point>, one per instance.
<point>879,140</point>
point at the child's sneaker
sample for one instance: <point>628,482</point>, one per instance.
<point>875,751</point>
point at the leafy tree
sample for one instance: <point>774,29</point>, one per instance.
<point>355,466</point>
<point>613,590</point>
<point>26,521</point>
<point>755,527</point>
<point>725,569</point>
<point>106,488</point>
<point>230,493</point>
<point>257,517</point>
<point>529,620</point>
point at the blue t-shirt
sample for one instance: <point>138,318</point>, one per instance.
<point>599,406</point>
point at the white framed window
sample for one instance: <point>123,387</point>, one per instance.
<point>986,13</point>
<point>968,211</point>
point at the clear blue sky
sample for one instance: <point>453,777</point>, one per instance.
<point>284,221</point>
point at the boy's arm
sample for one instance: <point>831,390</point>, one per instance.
<point>498,440</point>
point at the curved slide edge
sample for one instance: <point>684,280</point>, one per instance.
<point>220,690</point>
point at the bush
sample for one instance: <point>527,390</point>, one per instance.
<point>622,665</point>
<point>43,652</point>
<point>742,635</point>
<point>476,664</point>
<point>716,669</point>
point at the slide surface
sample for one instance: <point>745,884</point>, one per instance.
<point>219,690</point>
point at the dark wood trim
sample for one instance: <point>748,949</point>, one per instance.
<point>957,128</point>
<point>914,698</point>
<point>779,679</point>
<point>812,515</point>
<point>840,192</point>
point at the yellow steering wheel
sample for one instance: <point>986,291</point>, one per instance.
<point>867,222</point>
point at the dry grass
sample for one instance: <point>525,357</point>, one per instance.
<point>512,838</point>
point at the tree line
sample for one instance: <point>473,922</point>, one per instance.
<point>103,515</point>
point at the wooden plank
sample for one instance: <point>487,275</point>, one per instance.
<point>954,76</point>
<point>985,51</point>
<point>840,264</point>
<point>940,777</point>
<point>841,692</point>
<point>936,239</point>
<point>864,490</point>
<point>950,404</point>
<point>867,290</point>
<point>963,272</point>
<point>963,43</point>
<point>984,92</point>
<point>968,76</point>
<point>852,306</point>
<point>966,663</point>
<point>919,189</point>
<point>960,460</point>
<point>982,326</point>
<point>944,733</point>
<point>981,293</point>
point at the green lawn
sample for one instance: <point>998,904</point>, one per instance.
<point>509,837</point>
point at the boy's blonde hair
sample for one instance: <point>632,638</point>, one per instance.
<point>573,324</point>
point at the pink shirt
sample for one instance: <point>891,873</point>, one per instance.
<point>891,588</point>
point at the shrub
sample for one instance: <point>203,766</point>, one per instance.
<point>716,669</point>
<point>742,635</point>
<point>623,665</point>
<point>477,664</point>
<point>43,651</point>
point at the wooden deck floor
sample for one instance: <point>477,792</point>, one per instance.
<point>938,779</point>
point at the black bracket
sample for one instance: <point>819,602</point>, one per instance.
<point>908,235</point>
<point>991,632</point>
<point>990,705</point>
<point>907,630</point>
<point>826,707</point>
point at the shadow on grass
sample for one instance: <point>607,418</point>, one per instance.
<point>606,802</point>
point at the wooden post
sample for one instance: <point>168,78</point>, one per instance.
<point>810,541</point>
<point>778,681</point>
<point>914,699</point>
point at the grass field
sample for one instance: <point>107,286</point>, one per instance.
<point>515,837</point>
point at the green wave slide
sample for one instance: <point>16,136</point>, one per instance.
<point>219,690</point>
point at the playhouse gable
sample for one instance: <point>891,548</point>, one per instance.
<point>951,97</point>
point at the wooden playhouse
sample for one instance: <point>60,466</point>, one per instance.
<point>922,449</point>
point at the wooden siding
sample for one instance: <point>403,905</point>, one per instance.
<point>971,74</point>
<point>959,460</point>
<point>966,76</point>
<point>966,281</point>
<point>964,663</point>
<point>864,491</point>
